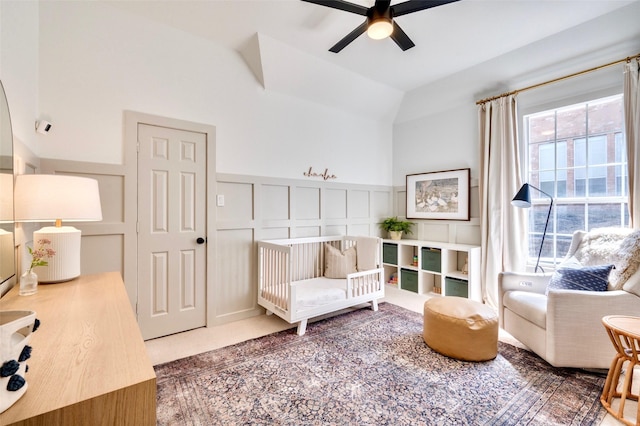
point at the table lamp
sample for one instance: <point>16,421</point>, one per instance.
<point>523,200</point>
<point>44,198</point>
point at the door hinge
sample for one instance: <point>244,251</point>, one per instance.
<point>137,227</point>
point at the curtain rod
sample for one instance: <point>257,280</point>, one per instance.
<point>555,80</point>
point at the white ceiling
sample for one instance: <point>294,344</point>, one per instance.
<point>448,38</point>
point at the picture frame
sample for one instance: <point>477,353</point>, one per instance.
<point>439,195</point>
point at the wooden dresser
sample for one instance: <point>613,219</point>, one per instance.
<point>89,365</point>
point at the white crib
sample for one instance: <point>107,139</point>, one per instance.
<point>292,284</point>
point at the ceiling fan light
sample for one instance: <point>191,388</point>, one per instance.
<point>380,28</point>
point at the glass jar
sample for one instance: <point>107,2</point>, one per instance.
<point>28,283</point>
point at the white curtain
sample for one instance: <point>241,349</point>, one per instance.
<point>503,227</point>
<point>632,132</point>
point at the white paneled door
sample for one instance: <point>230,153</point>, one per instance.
<point>171,230</point>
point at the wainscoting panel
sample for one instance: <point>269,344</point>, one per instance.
<point>236,289</point>
<point>335,203</point>
<point>467,233</point>
<point>111,200</point>
<point>307,203</point>
<point>360,229</point>
<point>401,203</point>
<point>305,231</point>
<point>336,229</point>
<point>359,204</point>
<point>102,253</point>
<point>380,202</point>
<point>275,202</point>
<point>273,233</point>
<point>238,201</point>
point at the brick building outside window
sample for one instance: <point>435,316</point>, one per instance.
<point>577,154</point>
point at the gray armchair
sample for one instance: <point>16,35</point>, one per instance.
<point>564,327</point>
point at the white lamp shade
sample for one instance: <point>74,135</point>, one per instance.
<point>42,198</point>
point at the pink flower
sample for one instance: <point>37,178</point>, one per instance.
<point>40,253</point>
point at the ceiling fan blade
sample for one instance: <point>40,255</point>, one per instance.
<point>416,5</point>
<point>401,38</point>
<point>341,5</point>
<point>349,38</point>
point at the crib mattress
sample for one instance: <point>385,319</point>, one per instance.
<point>319,291</point>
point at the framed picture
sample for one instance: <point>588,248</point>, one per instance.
<point>439,195</point>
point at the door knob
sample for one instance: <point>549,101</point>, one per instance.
<point>201,240</point>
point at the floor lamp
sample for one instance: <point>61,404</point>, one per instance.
<point>523,200</point>
<point>54,198</point>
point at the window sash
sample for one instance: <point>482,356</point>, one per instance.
<point>585,171</point>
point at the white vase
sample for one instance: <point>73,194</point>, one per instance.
<point>28,283</point>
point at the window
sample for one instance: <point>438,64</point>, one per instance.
<point>576,153</point>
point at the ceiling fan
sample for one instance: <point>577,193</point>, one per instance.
<point>379,23</point>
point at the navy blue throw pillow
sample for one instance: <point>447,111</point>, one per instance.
<point>590,278</point>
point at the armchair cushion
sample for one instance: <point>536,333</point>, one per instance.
<point>529,305</point>
<point>573,276</point>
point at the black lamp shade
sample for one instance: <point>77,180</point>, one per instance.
<point>522,198</point>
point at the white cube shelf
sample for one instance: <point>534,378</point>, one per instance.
<point>430,267</point>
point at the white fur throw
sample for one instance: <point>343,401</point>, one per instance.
<point>617,246</point>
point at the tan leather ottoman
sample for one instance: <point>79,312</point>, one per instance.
<point>461,328</point>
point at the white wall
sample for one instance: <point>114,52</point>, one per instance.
<point>96,61</point>
<point>19,66</point>
<point>444,140</point>
<point>436,127</point>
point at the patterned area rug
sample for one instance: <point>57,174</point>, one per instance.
<point>370,368</point>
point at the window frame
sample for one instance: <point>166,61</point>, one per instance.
<point>558,96</point>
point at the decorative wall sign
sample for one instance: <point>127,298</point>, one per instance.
<point>325,175</point>
<point>439,195</point>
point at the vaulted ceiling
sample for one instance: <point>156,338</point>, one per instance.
<point>448,38</point>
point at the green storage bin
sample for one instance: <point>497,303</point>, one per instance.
<point>390,253</point>
<point>456,287</point>
<point>409,280</point>
<point>431,259</point>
